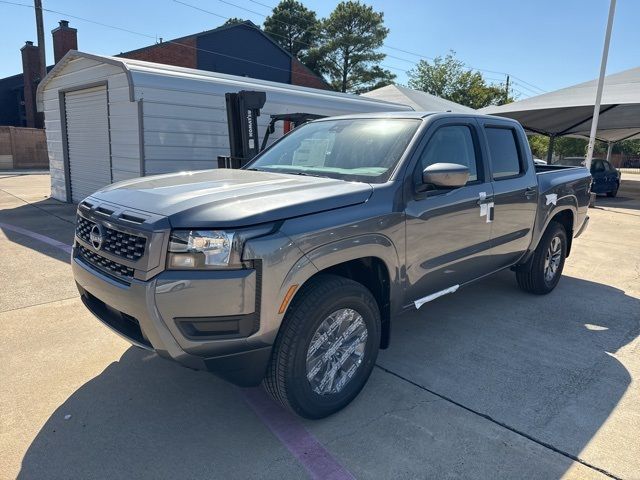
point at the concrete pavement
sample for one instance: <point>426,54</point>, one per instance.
<point>487,383</point>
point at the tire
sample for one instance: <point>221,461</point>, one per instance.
<point>613,193</point>
<point>325,301</point>
<point>538,279</point>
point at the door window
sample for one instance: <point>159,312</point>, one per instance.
<point>597,166</point>
<point>451,144</point>
<point>505,156</point>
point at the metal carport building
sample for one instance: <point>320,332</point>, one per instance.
<point>416,99</point>
<point>569,111</point>
<point>109,118</point>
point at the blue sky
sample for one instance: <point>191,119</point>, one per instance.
<point>544,44</point>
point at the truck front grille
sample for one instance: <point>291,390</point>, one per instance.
<point>104,264</point>
<point>118,243</point>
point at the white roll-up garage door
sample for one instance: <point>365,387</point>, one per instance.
<point>87,121</point>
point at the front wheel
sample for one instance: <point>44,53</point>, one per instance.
<point>326,348</point>
<point>547,262</point>
<point>613,192</point>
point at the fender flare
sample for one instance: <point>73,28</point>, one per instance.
<point>343,250</point>
<point>563,204</point>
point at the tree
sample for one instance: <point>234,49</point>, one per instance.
<point>233,21</point>
<point>348,55</point>
<point>449,78</point>
<point>539,145</point>
<point>293,26</point>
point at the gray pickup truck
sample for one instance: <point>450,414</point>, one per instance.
<point>291,270</point>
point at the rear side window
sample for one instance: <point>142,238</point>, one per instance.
<point>597,166</point>
<point>451,144</point>
<point>503,149</point>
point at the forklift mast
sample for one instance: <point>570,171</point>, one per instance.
<point>243,110</point>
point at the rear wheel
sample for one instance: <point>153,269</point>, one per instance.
<point>547,263</point>
<point>326,348</point>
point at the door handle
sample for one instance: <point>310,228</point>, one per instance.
<point>530,191</point>
<point>484,199</point>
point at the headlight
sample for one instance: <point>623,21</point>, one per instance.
<point>210,249</point>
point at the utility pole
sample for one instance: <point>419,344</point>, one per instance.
<point>603,68</point>
<point>506,91</point>
<point>40,30</point>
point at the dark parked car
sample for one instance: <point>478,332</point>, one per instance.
<point>606,178</point>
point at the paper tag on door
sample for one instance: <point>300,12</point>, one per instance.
<point>483,209</point>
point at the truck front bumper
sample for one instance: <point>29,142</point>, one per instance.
<point>205,320</point>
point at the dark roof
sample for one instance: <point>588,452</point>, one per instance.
<point>246,23</point>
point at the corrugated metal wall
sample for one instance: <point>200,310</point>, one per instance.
<point>183,119</point>
<point>185,122</point>
<point>124,119</point>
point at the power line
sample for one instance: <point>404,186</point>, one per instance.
<point>154,37</point>
<point>408,52</point>
<point>133,32</point>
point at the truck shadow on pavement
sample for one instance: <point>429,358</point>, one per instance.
<point>543,366</point>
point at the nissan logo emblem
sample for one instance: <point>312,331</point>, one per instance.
<point>96,237</point>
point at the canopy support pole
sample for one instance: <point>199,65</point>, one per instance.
<point>603,68</point>
<point>552,141</point>
<point>609,149</point>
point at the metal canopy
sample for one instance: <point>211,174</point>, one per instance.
<point>569,111</point>
<point>416,99</point>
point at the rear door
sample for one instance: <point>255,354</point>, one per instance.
<point>88,149</point>
<point>611,175</point>
<point>515,191</point>
<point>446,233</point>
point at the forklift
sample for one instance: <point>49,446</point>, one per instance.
<point>243,110</point>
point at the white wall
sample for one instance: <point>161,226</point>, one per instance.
<point>123,119</point>
<point>184,114</point>
<point>185,120</point>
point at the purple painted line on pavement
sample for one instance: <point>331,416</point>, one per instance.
<point>284,425</point>
<point>37,236</point>
<point>301,443</point>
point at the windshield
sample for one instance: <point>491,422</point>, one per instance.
<point>361,150</point>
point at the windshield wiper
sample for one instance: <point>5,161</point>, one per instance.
<point>305,174</point>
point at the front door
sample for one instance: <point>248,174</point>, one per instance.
<point>447,231</point>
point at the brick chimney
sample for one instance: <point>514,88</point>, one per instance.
<point>31,72</point>
<point>65,38</point>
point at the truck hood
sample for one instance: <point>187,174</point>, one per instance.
<point>232,198</point>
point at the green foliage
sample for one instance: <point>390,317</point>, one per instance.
<point>539,145</point>
<point>447,77</point>
<point>577,147</point>
<point>348,54</point>
<point>628,147</point>
<point>233,21</point>
<point>293,26</point>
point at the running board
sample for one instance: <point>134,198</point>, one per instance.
<point>421,301</point>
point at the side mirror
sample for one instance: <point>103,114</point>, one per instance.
<point>445,175</point>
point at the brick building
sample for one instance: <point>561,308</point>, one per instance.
<point>239,49</point>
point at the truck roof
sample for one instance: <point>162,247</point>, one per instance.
<point>419,115</point>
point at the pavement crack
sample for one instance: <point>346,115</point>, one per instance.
<point>377,418</point>
<point>503,425</point>
<point>38,304</point>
